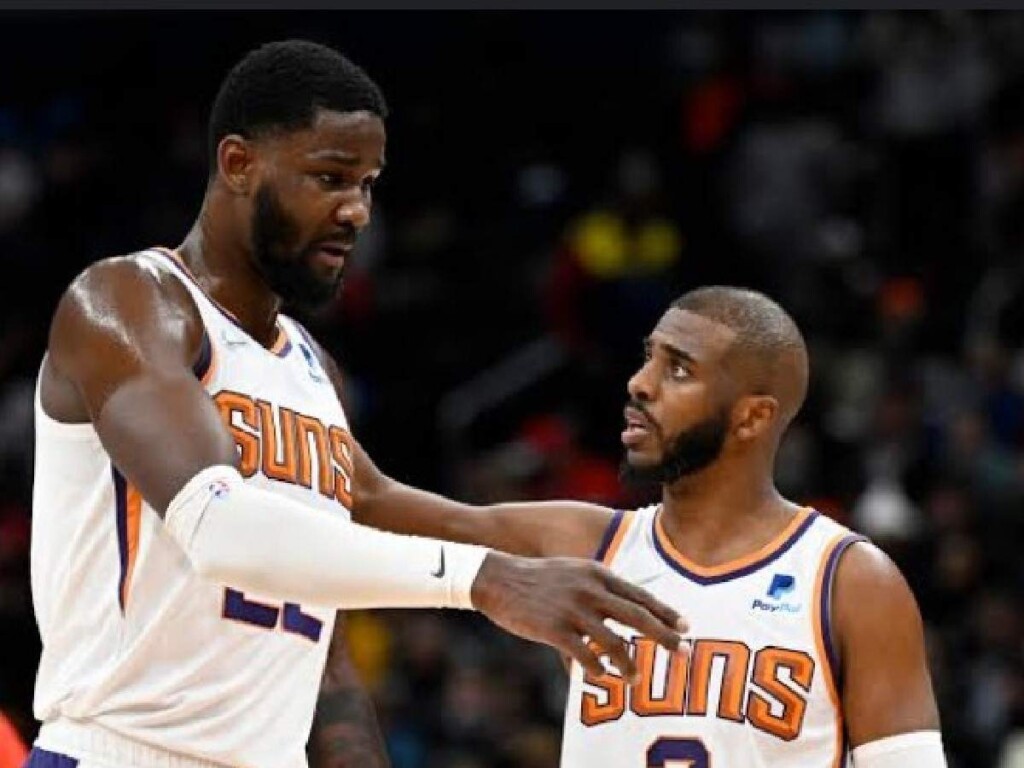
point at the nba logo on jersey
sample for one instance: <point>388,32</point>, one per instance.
<point>219,489</point>
<point>313,367</point>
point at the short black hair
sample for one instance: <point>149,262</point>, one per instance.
<point>768,342</point>
<point>279,87</point>
<point>759,322</point>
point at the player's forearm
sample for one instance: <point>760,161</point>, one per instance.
<point>254,540</point>
<point>530,529</point>
<point>386,504</point>
<point>345,730</point>
<point>402,509</point>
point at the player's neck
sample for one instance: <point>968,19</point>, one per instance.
<point>223,267</point>
<point>714,517</point>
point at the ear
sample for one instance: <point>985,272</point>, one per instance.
<point>236,164</point>
<point>754,416</point>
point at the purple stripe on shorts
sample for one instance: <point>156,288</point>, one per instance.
<point>40,758</point>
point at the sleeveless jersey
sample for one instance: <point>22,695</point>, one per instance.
<point>758,689</point>
<point>133,639</point>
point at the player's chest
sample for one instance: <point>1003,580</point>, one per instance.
<point>755,654</point>
<point>289,428</point>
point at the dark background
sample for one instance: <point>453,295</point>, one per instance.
<point>554,179</point>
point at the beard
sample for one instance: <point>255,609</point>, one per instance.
<point>689,452</point>
<point>288,272</point>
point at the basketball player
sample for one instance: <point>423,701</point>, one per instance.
<point>807,642</point>
<point>194,470</point>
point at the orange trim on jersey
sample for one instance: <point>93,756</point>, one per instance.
<point>133,524</point>
<point>624,524</point>
<point>821,647</point>
<point>739,563</point>
<point>280,341</point>
<point>181,263</point>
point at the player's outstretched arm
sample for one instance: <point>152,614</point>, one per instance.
<point>121,349</point>
<point>891,718</point>
<point>533,529</point>
<point>345,730</point>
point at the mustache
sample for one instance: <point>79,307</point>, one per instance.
<point>639,406</point>
<point>347,236</point>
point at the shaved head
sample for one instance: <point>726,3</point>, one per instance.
<point>768,355</point>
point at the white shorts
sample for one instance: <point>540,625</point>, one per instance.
<point>72,744</point>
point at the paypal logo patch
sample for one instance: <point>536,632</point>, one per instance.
<point>781,584</point>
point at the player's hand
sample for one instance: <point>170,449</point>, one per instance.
<point>564,602</point>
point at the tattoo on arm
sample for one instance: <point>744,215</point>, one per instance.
<point>345,730</point>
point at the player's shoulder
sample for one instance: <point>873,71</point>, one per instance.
<point>614,527</point>
<point>112,276</point>
<point>120,297</point>
<point>865,566</point>
<point>858,564</point>
<point>125,285</point>
<point>871,599</point>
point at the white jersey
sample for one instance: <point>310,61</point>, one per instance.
<point>759,689</point>
<point>134,641</point>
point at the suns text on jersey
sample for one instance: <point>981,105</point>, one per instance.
<point>288,446</point>
<point>767,688</point>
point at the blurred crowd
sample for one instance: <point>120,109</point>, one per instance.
<point>551,186</point>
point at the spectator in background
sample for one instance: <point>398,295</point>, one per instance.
<point>13,751</point>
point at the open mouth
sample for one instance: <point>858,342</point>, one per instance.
<point>638,427</point>
<point>334,253</point>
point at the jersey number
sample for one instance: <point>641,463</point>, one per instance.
<point>678,753</point>
<point>262,615</point>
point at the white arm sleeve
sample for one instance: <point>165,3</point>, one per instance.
<point>255,540</point>
<point>921,749</point>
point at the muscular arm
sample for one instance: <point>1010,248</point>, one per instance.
<point>532,529</point>
<point>345,731</point>
<point>887,690</point>
<point>122,344</point>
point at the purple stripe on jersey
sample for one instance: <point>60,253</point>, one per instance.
<point>739,572</point>
<point>826,602</point>
<point>205,359</point>
<point>40,758</point>
<point>283,352</point>
<point>227,315</point>
<point>121,519</point>
<point>609,534</point>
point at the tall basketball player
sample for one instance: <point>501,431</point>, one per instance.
<point>807,643</point>
<point>194,470</point>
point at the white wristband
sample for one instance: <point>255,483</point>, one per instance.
<point>463,562</point>
<point>252,539</point>
<point>920,749</point>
